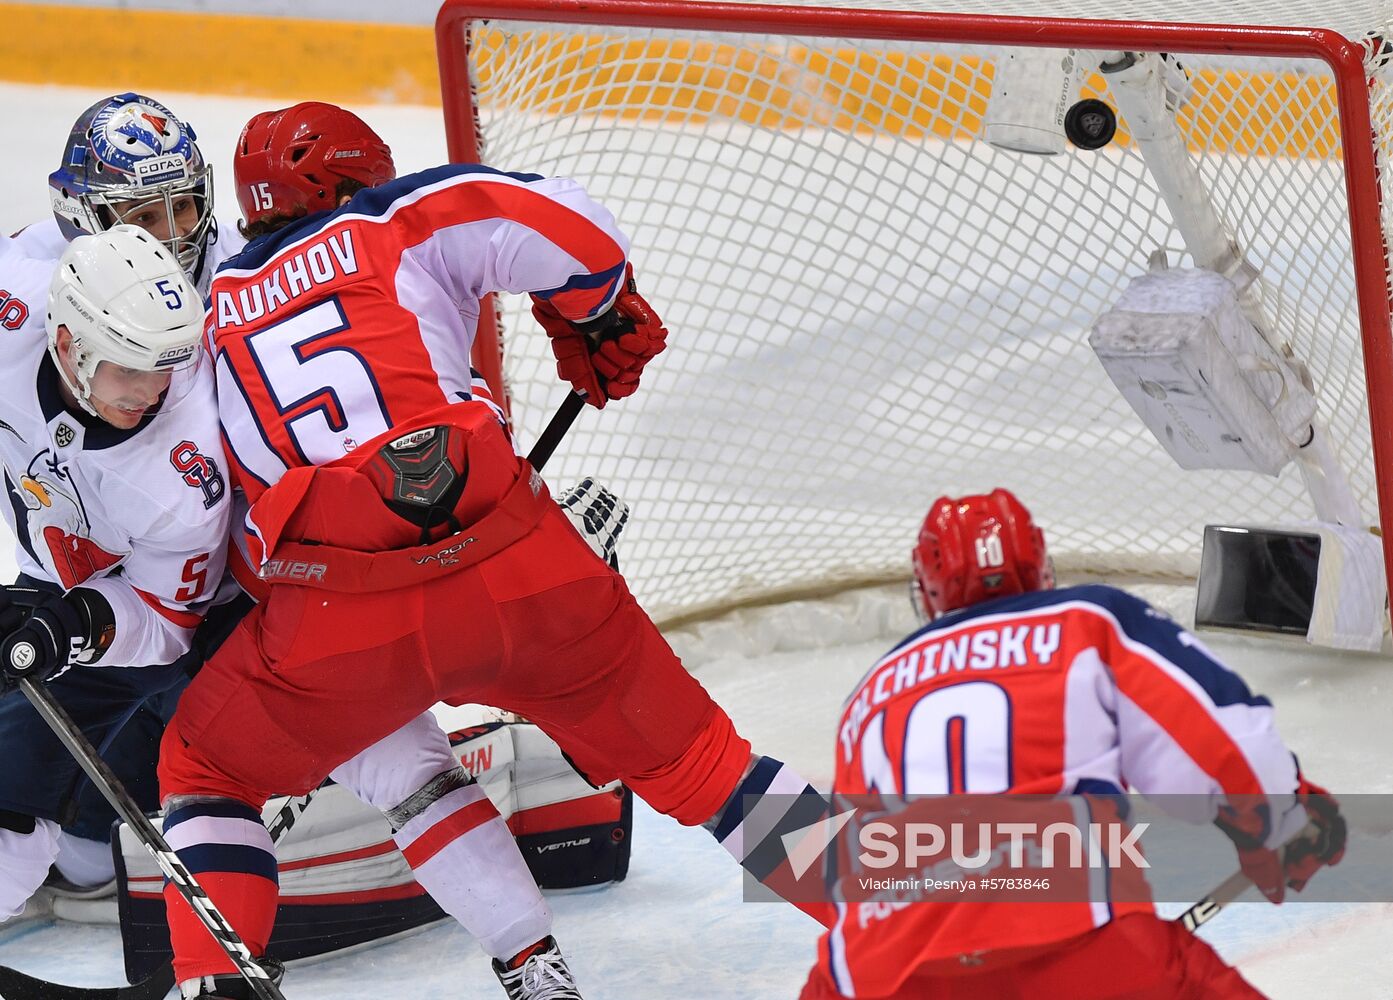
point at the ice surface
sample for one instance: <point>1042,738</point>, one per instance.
<point>678,926</point>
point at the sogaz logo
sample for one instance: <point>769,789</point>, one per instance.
<point>158,169</point>
<point>175,355</point>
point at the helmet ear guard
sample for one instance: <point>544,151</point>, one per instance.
<point>976,548</point>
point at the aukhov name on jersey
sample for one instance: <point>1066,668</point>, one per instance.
<point>981,650</point>
<point>317,264</point>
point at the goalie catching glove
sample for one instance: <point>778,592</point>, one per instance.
<point>603,358</point>
<point>43,633</point>
<point>598,515</point>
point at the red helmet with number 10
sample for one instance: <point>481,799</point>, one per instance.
<point>976,548</point>
<point>289,162</point>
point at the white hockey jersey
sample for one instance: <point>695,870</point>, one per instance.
<point>140,515</point>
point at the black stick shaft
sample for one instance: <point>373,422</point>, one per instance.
<point>556,429</point>
<point>111,788</point>
<point>1220,896</point>
<point>15,985</point>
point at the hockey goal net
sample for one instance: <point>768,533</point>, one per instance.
<point>870,305</point>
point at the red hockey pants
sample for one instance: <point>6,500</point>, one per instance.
<point>364,629</point>
<point>1136,957</point>
<point>541,627</point>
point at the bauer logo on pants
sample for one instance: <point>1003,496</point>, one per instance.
<point>293,569</point>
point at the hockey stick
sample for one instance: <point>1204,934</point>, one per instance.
<point>1220,896</point>
<point>1227,891</point>
<point>16,985</point>
<point>556,429</point>
<point>174,870</point>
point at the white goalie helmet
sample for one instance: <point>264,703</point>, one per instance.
<point>133,322</point>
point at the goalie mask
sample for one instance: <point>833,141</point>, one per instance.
<point>977,548</point>
<point>125,325</point>
<point>290,162</point>
<point>129,160</point>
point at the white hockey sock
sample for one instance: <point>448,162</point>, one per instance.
<point>85,862</point>
<point>459,848</point>
<point>24,862</point>
<point>462,854</point>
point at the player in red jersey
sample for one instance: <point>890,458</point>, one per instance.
<point>1016,687</point>
<point>411,556</point>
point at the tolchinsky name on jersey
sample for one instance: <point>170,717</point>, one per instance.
<point>327,259</point>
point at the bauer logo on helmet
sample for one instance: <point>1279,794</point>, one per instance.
<point>75,302</point>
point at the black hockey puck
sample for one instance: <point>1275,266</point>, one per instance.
<point>1090,124</point>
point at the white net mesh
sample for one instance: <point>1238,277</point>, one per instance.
<point>869,306</point>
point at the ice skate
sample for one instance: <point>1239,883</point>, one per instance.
<point>230,985</point>
<point>540,973</point>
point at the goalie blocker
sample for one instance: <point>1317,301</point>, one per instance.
<point>344,883</point>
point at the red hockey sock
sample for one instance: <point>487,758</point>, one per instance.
<point>226,847</point>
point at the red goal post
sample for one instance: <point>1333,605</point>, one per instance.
<point>476,40</point>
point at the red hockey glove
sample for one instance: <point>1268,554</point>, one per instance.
<point>1261,864</point>
<point>1325,842</point>
<point>1321,843</point>
<point>603,358</point>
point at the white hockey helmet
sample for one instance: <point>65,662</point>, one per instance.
<point>134,317</point>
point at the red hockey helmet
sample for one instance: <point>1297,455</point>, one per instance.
<point>291,160</point>
<point>976,548</point>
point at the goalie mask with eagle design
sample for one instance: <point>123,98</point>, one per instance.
<point>129,159</point>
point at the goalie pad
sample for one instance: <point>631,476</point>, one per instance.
<point>343,883</point>
<point>1206,383</point>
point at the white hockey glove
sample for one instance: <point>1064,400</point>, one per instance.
<point>599,516</point>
